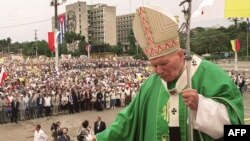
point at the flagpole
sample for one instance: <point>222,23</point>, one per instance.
<point>88,51</point>
<point>187,6</point>
<point>55,33</point>
<point>56,52</point>
<point>55,3</point>
<point>235,61</point>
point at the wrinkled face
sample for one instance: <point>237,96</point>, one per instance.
<point>169,67</point>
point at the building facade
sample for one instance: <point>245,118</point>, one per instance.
<point>77,18</point>
<point>124,28</point>
<point>97,23</point>
<point>102,24</point>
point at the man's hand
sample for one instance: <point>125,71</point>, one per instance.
<point>191,98</point>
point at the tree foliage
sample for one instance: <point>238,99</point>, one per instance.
<point>203,40</point>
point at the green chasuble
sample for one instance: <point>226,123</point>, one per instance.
<point>145,119</point>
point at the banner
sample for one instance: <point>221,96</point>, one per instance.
<point>61,27</point>
<point>237,45</point>
<point>237,8</point>
<point>88,48</point>
<point>51,41</point>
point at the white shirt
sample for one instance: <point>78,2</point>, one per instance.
<point>40,136</point>
<point>112,95</point>
<point>47,101</point>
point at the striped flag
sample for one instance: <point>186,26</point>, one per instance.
<point>235,45</point>
<point>61,27</point>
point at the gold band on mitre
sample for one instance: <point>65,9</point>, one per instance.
<point>156,32</point>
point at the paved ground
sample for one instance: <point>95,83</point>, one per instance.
<point>24,130</point>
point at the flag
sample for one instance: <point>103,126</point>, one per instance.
<point>207,10</point>
<point>3,76</point>
<point>61,27</point>
<point>237,8</point>
<point>52,40</point>
<point>235,45</point>
<point>88,48</point>
<point>204,4</point>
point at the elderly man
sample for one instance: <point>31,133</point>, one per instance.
<point>159,112</point>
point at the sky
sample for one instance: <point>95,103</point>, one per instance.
<point>20,18</point>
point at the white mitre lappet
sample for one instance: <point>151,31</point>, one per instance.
<point>156,31</point>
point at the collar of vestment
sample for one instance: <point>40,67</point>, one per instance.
<point>172,110</point>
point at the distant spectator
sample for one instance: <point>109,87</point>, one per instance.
<point>39,135</point>
<point>64,136</point>
<point>99,125</point>
<point>86,133</point>
<point>56,130</point>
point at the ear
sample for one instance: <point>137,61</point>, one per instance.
<point>181,54</point>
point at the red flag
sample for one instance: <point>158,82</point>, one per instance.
<point>3,76</point>
<point>237,45</point>
<point>51,41</point>
<point>88,47</point>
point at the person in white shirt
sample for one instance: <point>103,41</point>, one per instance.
<point>113,102</point>
<point>107,98</point>
<point>122,92</point>
<point>39,135</point>
<point>47,105</point>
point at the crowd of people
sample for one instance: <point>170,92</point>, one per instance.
<point>241,80</point>
<point>34,89</point>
